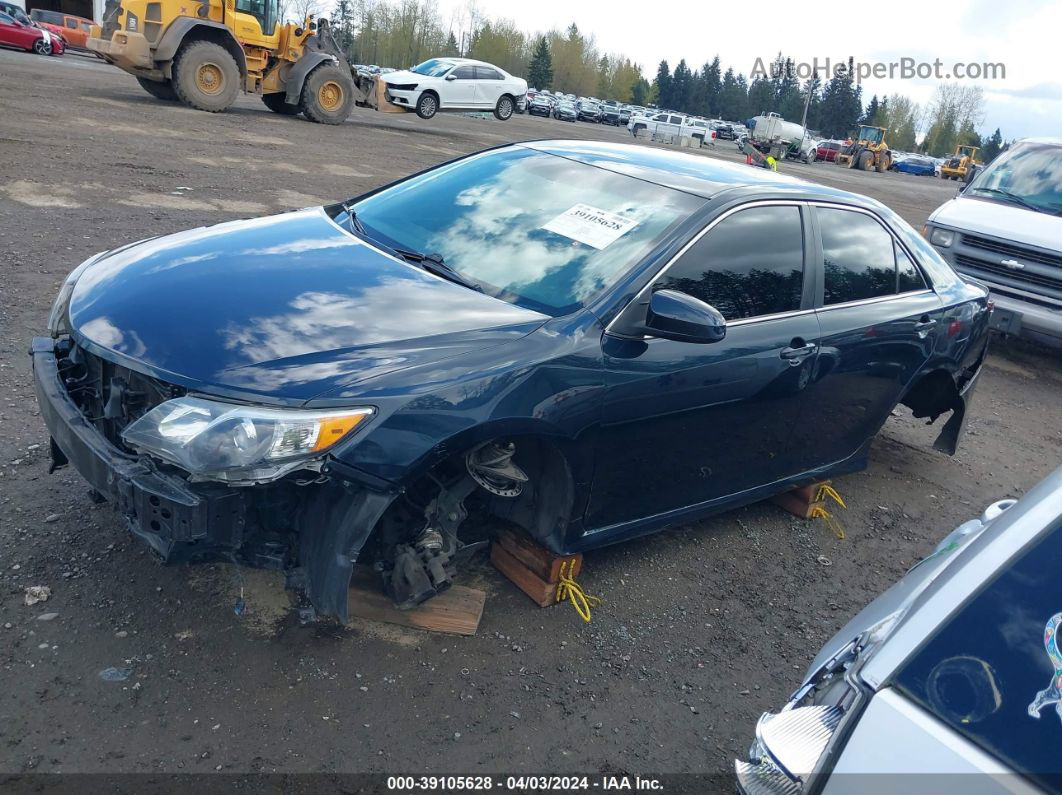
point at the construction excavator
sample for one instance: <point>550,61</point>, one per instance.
<point>867,152</point>
<point>204,53</point>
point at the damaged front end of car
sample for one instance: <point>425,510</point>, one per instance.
<point>200,479</point>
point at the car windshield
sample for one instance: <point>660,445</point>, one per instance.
<point>433,67</point>
<point>537,230</point>
<point>1026,174</point>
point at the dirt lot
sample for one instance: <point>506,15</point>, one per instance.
<point>702,629</point>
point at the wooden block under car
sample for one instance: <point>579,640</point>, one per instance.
<point>800,501</point>
<point>456,611</point>
<point>531,567</point>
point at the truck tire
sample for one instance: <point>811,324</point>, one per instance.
<point>275,102</point>
<point>206,76</point>
<point>326,95</point>
<point>427,105</point>
<point>883,163</point>
<point>866,160</point>
<point>637,127</point>
<point>503,111</point>
<point>159,90</point>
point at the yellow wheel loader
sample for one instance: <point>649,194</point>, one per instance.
<point>205,52</point>
<point>956,166</point>
<point>868,152</point>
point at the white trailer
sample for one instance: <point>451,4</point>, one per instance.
<point>773,135</point>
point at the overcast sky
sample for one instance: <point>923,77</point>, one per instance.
<point>1024,35</point>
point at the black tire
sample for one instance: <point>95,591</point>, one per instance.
<point>503,111</point>
<point>277,104</point>
<point>637,127</point>
<point>327,95</point>
<point>42,47</point>
<point>159,90</point>
<point>427,105</point>
<point>206,76</point>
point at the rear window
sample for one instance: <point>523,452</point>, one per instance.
<point>993,670</point>
<point>51,17</point>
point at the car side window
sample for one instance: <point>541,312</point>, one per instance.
<point>6,20</point>
<point>486,73</point>
<point>908,277</point>
<point>72,24</point>
<point>464,73</point>
<point>858,257</point>
<point>750,264</point>
<point>676,120</point>
<point>661,117</point>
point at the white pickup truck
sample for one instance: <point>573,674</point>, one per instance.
<point>664,124</point>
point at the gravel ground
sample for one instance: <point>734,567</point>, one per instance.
<point>702,629</point>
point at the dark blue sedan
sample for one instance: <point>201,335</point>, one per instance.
<point>922,166</point>
<point>592,341</point>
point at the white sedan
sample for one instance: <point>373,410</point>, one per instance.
<point>455,84</point>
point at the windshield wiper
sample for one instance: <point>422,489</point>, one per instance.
<point>433,263</point>
<point>355,225</point>
<point>1014,198</point>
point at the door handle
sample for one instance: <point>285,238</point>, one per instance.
<point>924,326</point>
<point>797,353</point>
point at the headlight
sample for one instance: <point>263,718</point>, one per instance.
<point>942,237</point>
<point>230,442</point>
<point>57,317</point>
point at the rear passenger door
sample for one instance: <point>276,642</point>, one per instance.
<point>489,86</point>
<point>879,323</point>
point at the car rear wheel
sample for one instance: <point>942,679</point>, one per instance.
<point>427,105</point>
<point>504,109</point>
<point>159,90</point>
<point>206,76</point>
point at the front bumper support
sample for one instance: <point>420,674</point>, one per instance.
<point>176,519</point>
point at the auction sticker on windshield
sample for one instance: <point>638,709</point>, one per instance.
<point>589,225</point>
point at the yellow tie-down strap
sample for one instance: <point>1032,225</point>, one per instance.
<point>569,589</point>
<point>819,511</point>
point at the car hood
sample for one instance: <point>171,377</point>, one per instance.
<point>286,308</point>
<point>404,76</point>
<point>1000,220</point>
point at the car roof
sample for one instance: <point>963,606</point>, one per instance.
<point>1052,140</point>
<point>696,174</point>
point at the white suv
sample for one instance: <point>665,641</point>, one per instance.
<point>455,84</point>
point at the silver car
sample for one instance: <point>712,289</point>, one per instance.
<point>950,681</point>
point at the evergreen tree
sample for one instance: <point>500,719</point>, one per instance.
<point>871,113</point>
<point>640,92</point>
<point>711,77</point>
<point>993,146</point>
<point>662,84</point>
<point>681,87</point>
<point>343,25</point>
<point>451,47</point>
<point>540,70</point>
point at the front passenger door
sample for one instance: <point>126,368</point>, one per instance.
<point>459,88</point>
<point>686,423</point>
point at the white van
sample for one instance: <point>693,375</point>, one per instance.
<point>1005,229</point>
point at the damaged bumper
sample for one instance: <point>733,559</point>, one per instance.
<point>184,521</point>
<point>163,510</point>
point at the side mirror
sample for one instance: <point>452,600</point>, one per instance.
<point>676,316</point>
<point>451,76</point>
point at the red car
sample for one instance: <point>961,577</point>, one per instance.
<point>827,150</point>
<point>22,36</point>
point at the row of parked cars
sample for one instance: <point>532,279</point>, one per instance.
<point>41,31</point>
